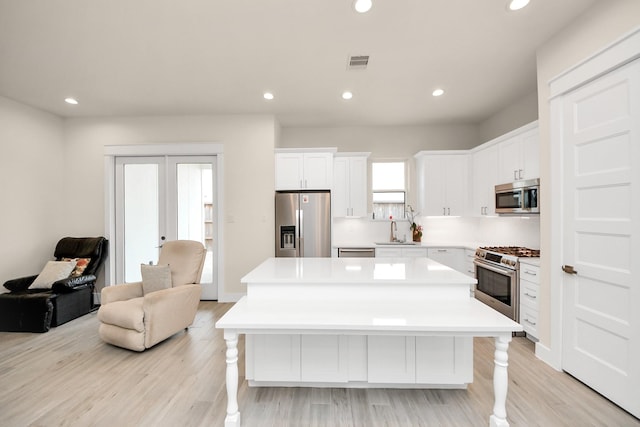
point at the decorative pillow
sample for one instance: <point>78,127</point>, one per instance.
<point>155,278</point>
<point>52,272</point>
<point>81,265</point>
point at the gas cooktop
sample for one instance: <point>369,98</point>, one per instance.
<point>518,251</point>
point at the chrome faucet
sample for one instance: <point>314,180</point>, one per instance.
<point>394,231</point>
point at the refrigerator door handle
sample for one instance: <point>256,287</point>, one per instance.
<point>300,220</point>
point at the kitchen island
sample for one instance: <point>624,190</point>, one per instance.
<point>361,322</point>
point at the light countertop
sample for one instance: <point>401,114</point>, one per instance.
<point>469,315</point>
<point>535,261</point>
<point>355,270</point>
<point>367,244</point>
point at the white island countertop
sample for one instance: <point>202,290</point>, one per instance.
<point>355,270</point>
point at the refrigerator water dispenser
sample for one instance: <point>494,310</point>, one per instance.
<point>288,237</point>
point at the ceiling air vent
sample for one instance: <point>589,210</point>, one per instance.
<point>358,62</point>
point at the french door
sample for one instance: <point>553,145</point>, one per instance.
<point>159,199</point>
<point>601,246</point>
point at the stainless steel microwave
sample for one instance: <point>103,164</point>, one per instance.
<point>520,197</point>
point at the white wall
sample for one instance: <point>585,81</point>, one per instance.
<point>383,141</point>
<point>32,183</point>
<point>599,26</point>
<point>519,113</point>
<point>248,176</point>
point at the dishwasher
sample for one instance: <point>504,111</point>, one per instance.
<point>356,252</point>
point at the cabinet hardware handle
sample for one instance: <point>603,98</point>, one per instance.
<point>442,250</point>
<point>519,173</point>
<point>530,296</point>
<point>531,273</point>
<point>530,322</point>
<point>448,211</point>
<point>515,172</point>
<point>444,211</point>
<point>569,269</point>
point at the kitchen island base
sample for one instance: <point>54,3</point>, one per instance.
<point>358,361</point>
<point>406,322</point>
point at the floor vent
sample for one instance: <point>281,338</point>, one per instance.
<point>358,62</point>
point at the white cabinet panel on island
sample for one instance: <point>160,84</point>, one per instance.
<point>277,356</point>
<point>324,358</point>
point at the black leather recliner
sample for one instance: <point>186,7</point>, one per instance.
<point>36,310</point>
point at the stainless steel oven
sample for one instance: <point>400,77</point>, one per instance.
<point>497,272</point>
<point>498,287</point>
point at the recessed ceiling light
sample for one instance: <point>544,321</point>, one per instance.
<point>362,6</point>
<point>71,101</point>
<point>268,96</point>
<point>347,95</point>
<point>438,92</point>
<point>517,4</point>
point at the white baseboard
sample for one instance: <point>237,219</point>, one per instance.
<point>545,354</point>
<point>230,297</point>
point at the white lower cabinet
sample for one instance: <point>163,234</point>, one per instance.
<point>396,252</point>
<point>529,299</point>
<point>337,359</point>
<point>469,266</point>
<point>451,257</point>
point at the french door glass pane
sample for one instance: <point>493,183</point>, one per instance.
<point>195,209</point>
<point>141,222</point>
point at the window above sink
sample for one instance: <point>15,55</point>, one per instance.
<point>388,185</point>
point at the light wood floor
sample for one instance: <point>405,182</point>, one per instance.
<point>68,377</point>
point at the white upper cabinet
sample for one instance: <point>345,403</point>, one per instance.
<point>442,183</point>
<point>485,178</point>
<point>519,157</point>
<point>349,195</point>
<point>304,170</point>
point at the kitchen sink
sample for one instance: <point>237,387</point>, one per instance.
<point>397,243</point>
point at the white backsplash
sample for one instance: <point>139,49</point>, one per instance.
<point>507,231</point>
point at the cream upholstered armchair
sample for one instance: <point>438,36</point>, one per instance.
<point>141,314</point>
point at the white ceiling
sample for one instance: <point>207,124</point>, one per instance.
<point>175,57</point>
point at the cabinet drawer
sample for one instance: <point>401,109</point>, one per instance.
<point>529,320</point>
<point>529,294</point>
<point>530,273</point>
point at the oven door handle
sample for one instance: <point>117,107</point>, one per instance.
<point>500,270</point>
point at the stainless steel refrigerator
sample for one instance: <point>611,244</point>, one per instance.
<point>303,224</point>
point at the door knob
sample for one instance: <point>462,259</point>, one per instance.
<point>569,269</point>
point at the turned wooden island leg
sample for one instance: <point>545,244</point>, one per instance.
<point>500,382</point>
<point>233,414</point>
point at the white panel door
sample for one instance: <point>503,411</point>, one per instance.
<point>601,317</point>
